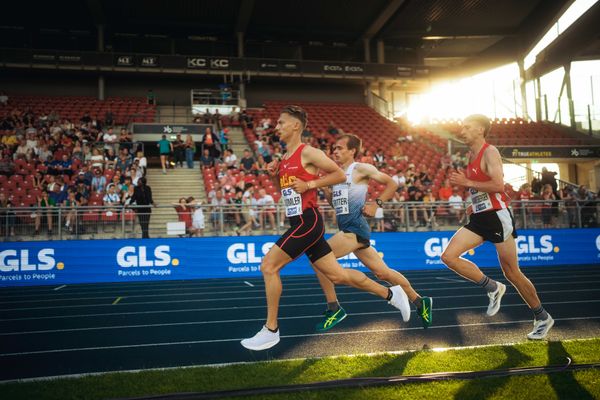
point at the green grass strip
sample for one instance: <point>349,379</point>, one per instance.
<point>572,385</point>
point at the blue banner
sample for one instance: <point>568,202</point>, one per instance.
<point>89,261</point>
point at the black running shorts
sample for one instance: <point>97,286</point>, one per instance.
<point>305,236</point>
<point>494,226</point>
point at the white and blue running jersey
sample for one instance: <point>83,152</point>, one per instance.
<point>348,200</point>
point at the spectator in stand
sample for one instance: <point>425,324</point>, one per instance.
<point>77,153</point>
<point>332,129</point>
<point>7,216</point>
<point>217,118</point>
<point>236,202</point>
<point>547,205</point>
<point>322,141</point>
<point>86,119</point>
<point>398,153</point>
<point>549,178</point>
<point>125,140</point>
<point>110,140</point>
<point>184,213</point>
<point>3,99</point>
<point>190,150</point>
<point>584,199</point>
<point>207,161</point>
<point>306,136</point>
<point>127,195</point>
<point>230,159</point>
<point>429,208</point>
<point>110,159</point>
<point>217,203</point>
<point>266,205</point>
<point>44,210</point>
<point>400,180</point>
<point>65,166</point>
<point>248,163</point>
<point>210,141</point>
<point>142,196</point>
<point>109,118</point>
<point>70,205</point>
<point>379,159</point>
<point>367,157</point>
<point>98,160</point>
<point>510,191</point>
<point>261,165</point>
<point>446,161</point>
<point>112,198</point>
<point>536,186</point>
<point>246,120</point>
<point>224,139</point>
<point>427,180</point>
<point>249,210</point>
<point>164,148</point>
<point>457,160</point>
<point>150,97</point>
<point>456,205</point>
<point>142,162</point>
<point>207,117</point>
<point>179,151</point>
<point>570,201</point>
<point>445,191</point>
<point>82,194</point>
<point>98,182</point>
<point>58,193</point>
<point>197,228</point>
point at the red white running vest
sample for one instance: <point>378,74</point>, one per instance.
<point>483,201</point>
<point>291,169</point>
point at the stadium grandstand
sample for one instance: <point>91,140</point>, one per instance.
<point>137,142</point>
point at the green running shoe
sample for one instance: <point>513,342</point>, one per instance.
<point>426,312</point>
<point>332,318</point>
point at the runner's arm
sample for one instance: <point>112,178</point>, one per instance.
<point>493,164</point>
<point>370,172</point>
<point>333,173</point>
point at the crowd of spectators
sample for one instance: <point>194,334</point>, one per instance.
<point>49,162</point>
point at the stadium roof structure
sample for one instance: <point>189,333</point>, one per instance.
<point>466,35</point>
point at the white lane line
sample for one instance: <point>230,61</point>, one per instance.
<point>307,335</point>
<point>449,279</point>
<point>421,280</point>
<point>248,283</point>
<point>232,321</point>
<point>60,287</point>
<point>262,306</point>
<point>420,277</point>
<point>318,290</point>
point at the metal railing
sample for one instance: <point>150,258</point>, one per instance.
<point>118,222</point>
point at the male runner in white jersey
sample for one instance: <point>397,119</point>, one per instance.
<point>299,180</point>
<point>348,200</point>
<point>490,220</point>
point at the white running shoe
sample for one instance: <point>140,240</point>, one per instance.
<point>263,340</point>
<point>541,328</point>
<point>400,301</point>
<point>495,298</point>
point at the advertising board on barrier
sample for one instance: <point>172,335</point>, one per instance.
<point>48,263</point>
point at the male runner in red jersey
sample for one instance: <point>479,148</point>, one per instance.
<point>299,180</point>
<point>490,220</point>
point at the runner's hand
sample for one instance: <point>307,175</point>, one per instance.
<point>299,186</point>
<point>459,178</point>
<point>370,209</point>
<point>273,167</point>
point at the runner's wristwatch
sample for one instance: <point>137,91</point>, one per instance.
<point>379,202</point>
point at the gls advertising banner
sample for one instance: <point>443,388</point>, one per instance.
<point>45,263</point>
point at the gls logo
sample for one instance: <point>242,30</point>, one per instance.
<point>19,260</point>
<point>242,253</point>
<point>434,247</point>
<point>527,244</point>
<point>130,256</point>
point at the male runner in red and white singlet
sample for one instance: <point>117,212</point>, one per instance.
<point>298,178</point>
<point>491,220</point>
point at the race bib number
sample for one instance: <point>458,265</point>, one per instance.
<point>339,199</point>
<point>292,201</point>
<point>481,201</point>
